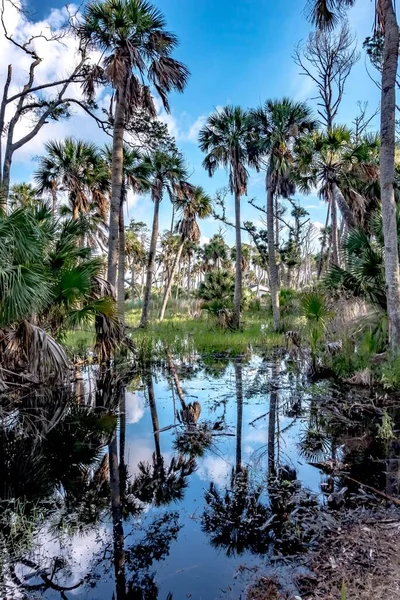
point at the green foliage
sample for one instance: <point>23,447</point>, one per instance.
<point>217,285</point>
<point>364,271</point>
<point>385,429</point>
<point>316,312</point>
<point>391,373</point>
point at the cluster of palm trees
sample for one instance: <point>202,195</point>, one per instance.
<point>281,138</point>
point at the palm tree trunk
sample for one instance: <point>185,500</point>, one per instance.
<point>168,287</point>
<point>116,511</point>
<point>116,188</point>
<point>343,206</point>
<point>150,263</point>
<point>273,269</point>
<point>335,250</point>
<point>323,245</point>
<point>237,297</point>
<point>387,170</point>
<point>121,265</point>
<point>177,281</point>
<point>189,274</point>
<point>273,403</point>
<point>133,281</point>
<point>239,421</point>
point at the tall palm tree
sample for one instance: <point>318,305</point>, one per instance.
<point>135,176</point>
<point>224,139</point>
<point>192,203</point>
<point>168,171</point>
<point>136,50</point>
<point>76,167</point>
<point>325,13</point>
<point>277,125</point>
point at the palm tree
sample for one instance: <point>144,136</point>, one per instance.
<point>192,203</point>
<point>23,195</point>
<point>136,51</point>
<point>277,125</point>
<point>224,139</point>
<point>135,253</point>
<point>341,169</point>
<point>168,171</point>
<point>325,14</point>
<point>216,251</point>
<point>135,176</point>
<point>76,167</point>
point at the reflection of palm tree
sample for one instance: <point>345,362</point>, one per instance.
<point>273,407</point>
<point>239,406</point>
<point>234,520</point>
<point>157,482</point>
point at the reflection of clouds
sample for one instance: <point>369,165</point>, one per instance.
<point>256,435</point>
<point>134,407</point>
<point>78,551</point>
<point>138,450</point>
<point>215,469</point>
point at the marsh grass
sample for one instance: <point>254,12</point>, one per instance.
<point>184,335</point>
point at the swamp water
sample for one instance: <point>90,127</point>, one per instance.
<point>214,469</point>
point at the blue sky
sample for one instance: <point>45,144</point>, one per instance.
<point>238,52</point>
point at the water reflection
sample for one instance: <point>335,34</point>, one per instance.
<point>237,458</point>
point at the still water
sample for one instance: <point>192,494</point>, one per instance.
<point>211,466</point>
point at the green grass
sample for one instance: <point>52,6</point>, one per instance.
<point>185,335</point>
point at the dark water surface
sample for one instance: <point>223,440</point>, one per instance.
<point>210,470</point>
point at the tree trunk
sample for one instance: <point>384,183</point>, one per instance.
<point>189,274</point>
<point>154,416</point>
<point>335,250</point>
<point>343,206</point>
<point>168,287</point>
<point>150,264</point>
<point>116,511</point>
<point>237,298</point>
<point>273,269</point>
<point>323,244</point>
<point>177,281</point>
<point>116,188</point>
<point>239,421</point>
<point>387,170</point>
<point>133,281</point>
<point>121,266</point>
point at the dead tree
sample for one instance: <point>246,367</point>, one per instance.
<point>33,101</point>
<point>327,58</point>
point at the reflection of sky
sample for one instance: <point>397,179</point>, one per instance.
<point>193,565</point>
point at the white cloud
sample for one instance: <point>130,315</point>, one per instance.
<point>59,58</point>
<point>204,240</point>
<point>215,469</point>
<point>134,407</point>
<point>194,129</point>
<point>318,225</point>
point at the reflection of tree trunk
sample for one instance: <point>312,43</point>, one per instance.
<point>239,405</point>
<point>273,406</point>
<point>154,416</point>
<point>179,390</point>
<point>122,438</point>
<point>116,511</point>
<point>393,469</point>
